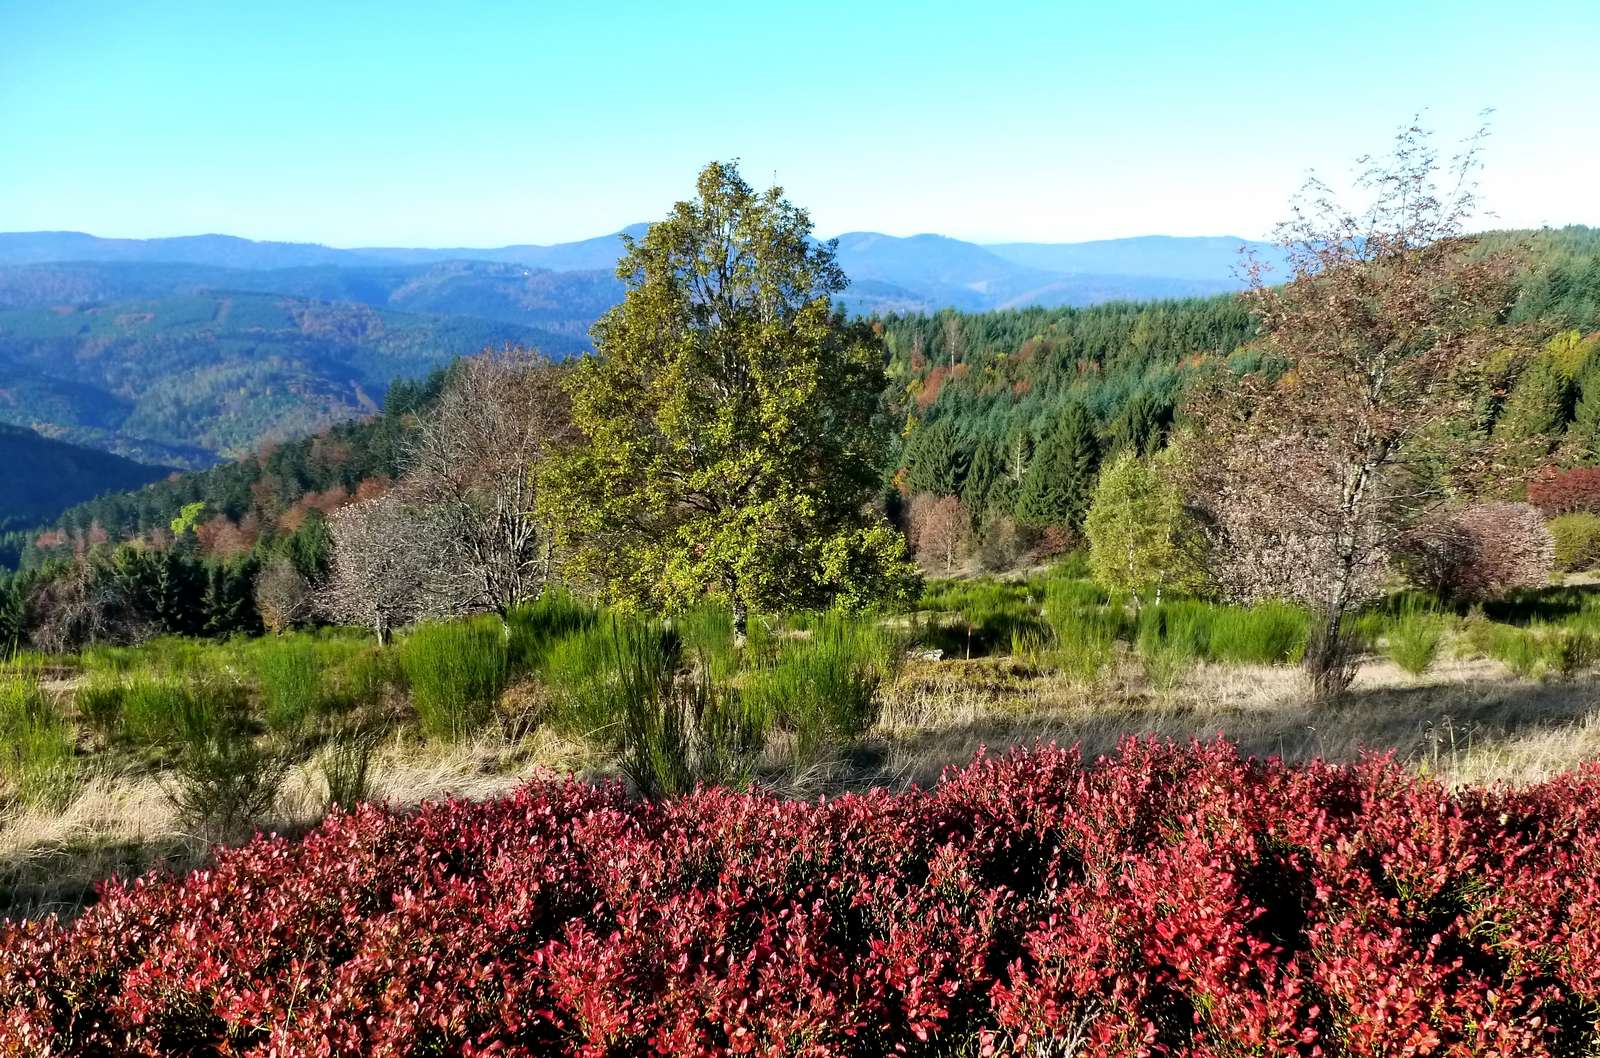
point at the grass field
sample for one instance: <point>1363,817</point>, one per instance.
<point>120,760</point>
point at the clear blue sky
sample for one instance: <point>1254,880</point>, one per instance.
<point>442,124</point>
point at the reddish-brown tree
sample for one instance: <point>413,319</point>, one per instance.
<point>1311,469</point>
<point>941,530</point>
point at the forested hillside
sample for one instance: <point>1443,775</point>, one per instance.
<point>41,476</point>
<point>190,378</point>
<point>1013,412</point>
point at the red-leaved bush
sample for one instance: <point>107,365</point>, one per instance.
<point>1167,901</point>
<point>1565,491</point>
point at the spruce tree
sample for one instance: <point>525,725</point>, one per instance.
<point>984,472</point>
<point>1060,481</point>
<point>1538,404</point>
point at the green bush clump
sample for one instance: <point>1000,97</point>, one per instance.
<point>1414,636</point>
<point>456,671</point>
<point>535,628</point>
<point>1577,541</point>
<point>289,672</point>
<point>37,744</point>
<point>823,688</point>
<point>1269,633</point>
<point>99,700</point>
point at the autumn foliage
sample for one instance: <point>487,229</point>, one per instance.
<point>1168,900</point>
<point>1566,491</point>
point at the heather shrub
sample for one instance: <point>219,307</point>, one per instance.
<point>37,744</point>
<point>1576,541</point>
<point>456,671</point>
<point>1163,900</point>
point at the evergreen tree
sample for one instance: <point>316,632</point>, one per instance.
<point>938,461</point>
<point>1060,481</point>
<point>1538,405</point>
<point>982,476</point>
<point>1584,434</point>
<point>1141,423</point>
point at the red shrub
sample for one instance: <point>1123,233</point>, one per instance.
<point>1168,901</point>
<point>1565,491</point>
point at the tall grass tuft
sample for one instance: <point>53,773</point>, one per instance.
<point>824,688</point>
<point>456,671</point>
<point>535,628</point>
<point>99,700</point>
<point>1269,633</point>
<point>1414,638</point>
<point>347,767</point>
<point>289,673</point>
<point>36,744</point>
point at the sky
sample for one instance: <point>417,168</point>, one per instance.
<point>479,124</point>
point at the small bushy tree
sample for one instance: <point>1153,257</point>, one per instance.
<point>1321,467</point>
<point>1141,539</point>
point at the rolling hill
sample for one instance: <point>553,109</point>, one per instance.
<point>195,377</point>
<point>44,476</point>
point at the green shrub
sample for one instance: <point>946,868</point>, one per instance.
<point>1164,668</point>
<point>222,783</point>
<point>366,677</point>
<point>36,744</point>
<point>823,688</point>
<point>289,672</point>
<point>456,671</point>
<point>1413,640</point>
<point>1577,541</point>
<point>535,628</point>
<point>581,673</point>
<point>1264,634</point>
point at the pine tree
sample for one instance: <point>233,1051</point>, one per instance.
<point>1060,482</point>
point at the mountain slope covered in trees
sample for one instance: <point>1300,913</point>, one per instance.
<point>42,476</point>
<point>190,378</point>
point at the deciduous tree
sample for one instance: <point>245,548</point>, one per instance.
<point>1381,324</point>
<point>731,426</point>
<point>474,466</point>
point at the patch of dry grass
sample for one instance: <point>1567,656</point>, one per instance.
<point>1467,721</point>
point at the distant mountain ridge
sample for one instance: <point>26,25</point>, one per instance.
<point>893,273</point>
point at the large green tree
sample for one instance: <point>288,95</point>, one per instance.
<point>731,421</point>
<point>1060,481</point>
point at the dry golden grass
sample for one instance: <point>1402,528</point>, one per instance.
<point>124,824</point>
<point>1467,721</point>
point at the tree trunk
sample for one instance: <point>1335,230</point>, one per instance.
<point>741,622</point>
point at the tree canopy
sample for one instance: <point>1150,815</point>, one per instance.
<point>731,420</point>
